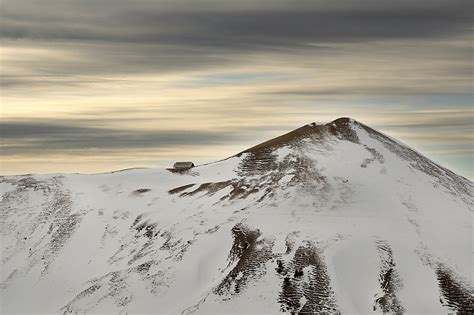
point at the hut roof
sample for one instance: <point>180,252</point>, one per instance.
<point>181,165</point>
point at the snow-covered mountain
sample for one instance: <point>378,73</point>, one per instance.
<point>328,218</point>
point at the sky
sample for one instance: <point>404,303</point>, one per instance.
<point>99,85</point>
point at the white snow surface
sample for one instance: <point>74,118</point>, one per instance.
<point>384,232</point>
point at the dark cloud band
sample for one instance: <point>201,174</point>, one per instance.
<point>30,137</point>
<point>213,24</point>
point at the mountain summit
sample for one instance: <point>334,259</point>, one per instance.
<point>328,218</point>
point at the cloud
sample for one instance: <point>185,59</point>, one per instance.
<point>46,138</point>
<point>79,44</point>
<point>245,26</point>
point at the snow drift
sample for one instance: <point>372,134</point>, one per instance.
<point>331,218</point>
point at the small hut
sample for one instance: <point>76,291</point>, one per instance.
<point>183,165</point>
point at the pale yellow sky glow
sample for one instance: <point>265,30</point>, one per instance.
<point>93,99</point>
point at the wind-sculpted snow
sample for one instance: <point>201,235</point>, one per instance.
<point>46,226</point>
<point>306,285</point>
<point>390,281</point>
<point>456,292</point>
<point>329,219</point>
<point>248,254</point>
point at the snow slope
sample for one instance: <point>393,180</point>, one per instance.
<point>330,218</point>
